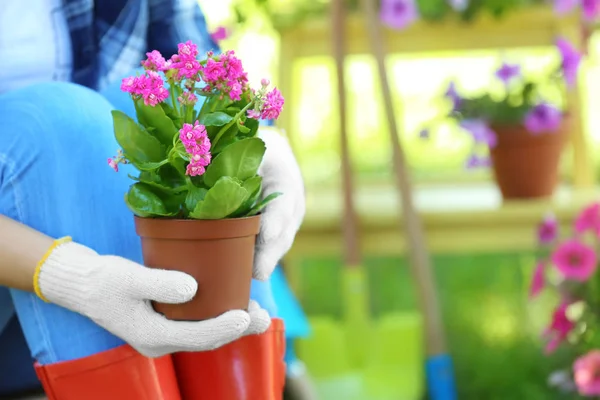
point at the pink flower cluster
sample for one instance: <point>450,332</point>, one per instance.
<point>149,86</point>
<point>197,144</point>
<point>226,74</point>
<point>268,105</point>
<point>185,61</point>
<point>114,162</point>
<point>586,373</point>
<point>574,259</point>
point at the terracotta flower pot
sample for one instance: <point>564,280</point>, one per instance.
<point>251,368</point>
<point>526,165</point>
<point>219,254</point>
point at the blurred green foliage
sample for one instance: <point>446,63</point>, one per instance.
<point>493,329</point>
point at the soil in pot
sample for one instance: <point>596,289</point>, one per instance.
<point>219,254</point>
<point>525,164</point>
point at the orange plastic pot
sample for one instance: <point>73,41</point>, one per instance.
<point>251,368</point>
<point>525,164</point>
<point>219,254</point>
<point>118,374</point>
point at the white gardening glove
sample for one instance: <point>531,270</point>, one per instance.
<point>283,216</point>
<point>115,293</point>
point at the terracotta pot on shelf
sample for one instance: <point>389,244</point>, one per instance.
<point>219,254</point>
<point>525,164</point>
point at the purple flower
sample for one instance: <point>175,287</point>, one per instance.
<point>591,9</point>
<point>571,59</point>
<point>543,118</point>
<point>458,5</point>
<point>398,14</point>
<point>480,131</point>
<point>476,161</point>
<point>563,7</point>
<point>452,94</point>
<point>508,72</point>
<point>548,229</point>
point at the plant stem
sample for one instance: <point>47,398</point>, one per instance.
<point>230,124</point>
<point>172,91</point>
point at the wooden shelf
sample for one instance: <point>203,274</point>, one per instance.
<point>457,219</point>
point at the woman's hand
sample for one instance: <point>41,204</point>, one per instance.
<point>283,216</point>
<point>116,293</point>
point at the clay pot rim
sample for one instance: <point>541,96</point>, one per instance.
<point>197,229</point>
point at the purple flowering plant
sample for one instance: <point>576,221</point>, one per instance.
<point>195,141</point>
<point>522,101</point>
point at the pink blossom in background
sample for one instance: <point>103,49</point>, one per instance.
<point>586,372</point>
<point>188,98</point>
<point>543,118</point>
<point>563,7</point>
<point>508,72</point>
<point>548,229</point>
<point>571,59</point>
<point>589,219</point>
<point>197,144</point>
<point>480,131</point>
<point>452,94</point>
<point>538,282</point>
<point>221,33</point>
<point>591,9</point>
<point>477,161</point>
<point>398,14</point>
<point>575,260</point>
<point>459,5</point>
<point>559,328</point>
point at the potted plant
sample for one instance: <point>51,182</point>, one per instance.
<point>523,126</point>
<point>197,197</point>
<point>567,269</point>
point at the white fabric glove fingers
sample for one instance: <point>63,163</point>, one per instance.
<point>163,286</point>
<point>204,335</point>
<point>268,255</point>
<point>259,319</point>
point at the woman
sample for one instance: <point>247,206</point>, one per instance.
<point>73,302</point>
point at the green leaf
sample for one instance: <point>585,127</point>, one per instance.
<point>239,160</point>
<point>242,128</point>
<point>222,200</point>
<point>259,206</point>
<point>253,186</point>
<point>155,117</point>
<point>143,202</point>
<point>138,145</point>
<point>215,119</point>
<point>194,196</point>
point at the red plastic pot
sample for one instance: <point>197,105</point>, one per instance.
<point>251,368</point>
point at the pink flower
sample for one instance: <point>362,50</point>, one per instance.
<point>559,328</point>
<point>273,105</point>
<point>586,371</point>
<point>226,74</point>
<point>155,61</point>
<point>548,229</point>
<point>150,87</point>
<point>538,282</point>
<point>188,98</point>
<point>399,14</point>
<point>591,9</point>
<point>589,219</point>
<point>197,144</point>
<point>113,164</point>
<point>575,260</point>
<point>220,34</point>
<point>187,50</point>
<point>563,7</point>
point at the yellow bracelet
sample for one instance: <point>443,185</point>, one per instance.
<point>40,264</point>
